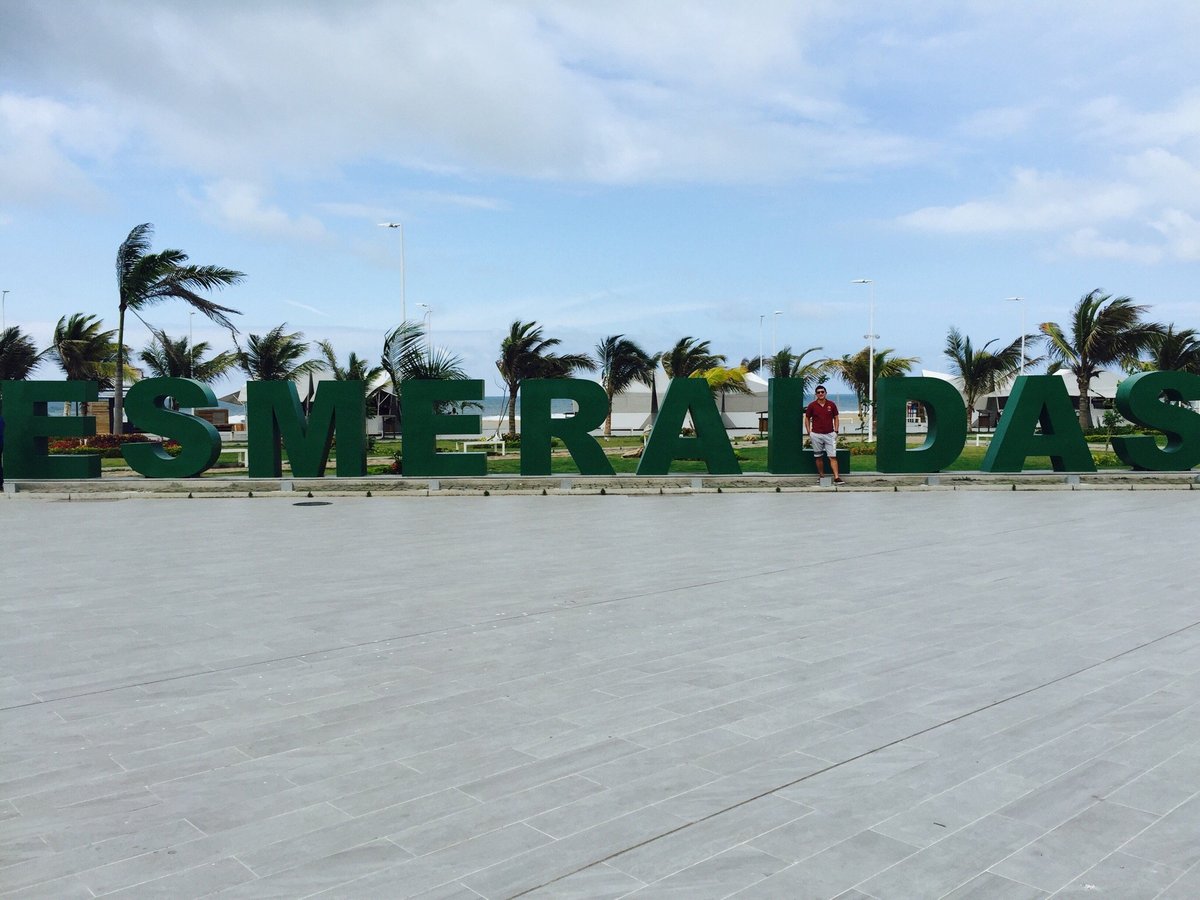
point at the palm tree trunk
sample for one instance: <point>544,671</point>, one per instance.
<point>116,426</point>
<point>608,418</point>
<point>512,410</point>
<point>1085,406</point>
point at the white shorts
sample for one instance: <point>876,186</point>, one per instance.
<point>824,445</point>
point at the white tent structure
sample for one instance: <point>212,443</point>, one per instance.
<point>740,412</point>
<point>989,407</point>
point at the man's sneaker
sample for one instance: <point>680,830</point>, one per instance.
<point>838,481</point>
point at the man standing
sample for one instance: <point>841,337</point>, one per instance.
<point>821,422</point>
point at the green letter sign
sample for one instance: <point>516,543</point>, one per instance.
<point>420,401</point>
<point>947,434</point>
<point>1138,401</point>
<point>200,444</point>
<point>785,427</point>
<point>1038,399</point>
<point>274,416</point>
<point>538,427</point>
<point>711,443</point>
<point>26,448</point>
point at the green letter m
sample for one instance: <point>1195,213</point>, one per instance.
<point>274,420</point>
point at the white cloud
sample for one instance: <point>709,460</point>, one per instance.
<point>1182,233</point>
<point>40,140</point>
<point>239,206</point>
<point>626,92</point>
<point>1033,202</point>
<point>1090,244</point>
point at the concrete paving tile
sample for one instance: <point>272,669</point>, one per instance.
<point>832,871</point>
<point>206,879</point>
<point>989,886</point>
<point>540,771</point>
<point>527,806</point>
<point>708,837</point>
<point>616,801</point>
<point>941,867</point>
<point>1070,794</point>
<point>644,763</point>
<point>449,864</point>
<point>321,873</point>
<point>81,859</point>
<point>69,888</point>
<point>1061,755</point>
<point>569,855</point>
<point>171,859</point>
<point>940,815</point>
<point>729,790</point>
<point>1057,857</point>
<point>1124,876</point>
<point>1172,839</point>
<point>717,876</point>
<point>343,835</point>
<point>1164,787</point>
<point>599,882</point>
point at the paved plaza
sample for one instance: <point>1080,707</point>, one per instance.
<point>964,694</point>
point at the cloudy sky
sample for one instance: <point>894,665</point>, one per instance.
<point>655,169</point>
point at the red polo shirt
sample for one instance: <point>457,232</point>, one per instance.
<point>821,416</point>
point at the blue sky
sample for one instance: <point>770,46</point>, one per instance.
<point>655,169</point>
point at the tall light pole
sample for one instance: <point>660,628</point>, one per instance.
<point>774,322</point>
<point>428,330</point>
<point>191,352</point>
<point>403,303</point>
<point>1020,300</point>
<point>3,317</point>
<point>871,337</point>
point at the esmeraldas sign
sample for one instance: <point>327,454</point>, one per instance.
<point>1039,420</point>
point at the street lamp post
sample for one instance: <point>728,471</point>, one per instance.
<point>1020,300</point>
<point>191,352</point>
<point>3,316</point>
<point>403,303</point>
<point>774,323</point>
<point>871,337</point>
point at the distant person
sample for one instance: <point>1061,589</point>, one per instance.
<point>821,421</point>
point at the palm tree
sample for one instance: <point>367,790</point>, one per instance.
<point>19,356</point>
<point>786,364</point>
<point>275,356</point>
<point>84,349</point>
<point>690,356</point>
<point>356,368</point>
<point>981,370</point>
<point>167,357</point>
<point>523,354</point>
<point>406,357</point>
<point>725,380</point>
<point>1172,351</point>
<point>622,362</point>
<point>855,371</point>
<point>1104,331</point>
<point>145,278</point>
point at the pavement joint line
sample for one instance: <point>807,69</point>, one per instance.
<point>507,619</point>
<point>865,753</point>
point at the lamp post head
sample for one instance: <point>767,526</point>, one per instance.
<point>391,225</point>
<point>863,281</point>
<point>1013,299</point>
